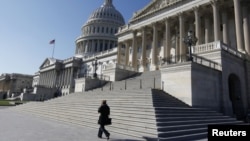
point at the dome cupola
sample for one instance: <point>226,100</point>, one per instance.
<point>98,33</point>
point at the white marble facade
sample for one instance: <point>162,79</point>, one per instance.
<point>155,33</point>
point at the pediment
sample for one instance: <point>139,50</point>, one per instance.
<point>153,6</point>
<point>48,62</point>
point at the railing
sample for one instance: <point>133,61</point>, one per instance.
<point>195,58</point>
<point>92,76</point>
<point>232,51</point>
<point>206,47</point>
<point>206,62</point>
<point>216,46</point>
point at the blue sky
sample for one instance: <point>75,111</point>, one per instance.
<point>27,27</point>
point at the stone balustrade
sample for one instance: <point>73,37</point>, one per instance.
<point>215,46</point>
<point>206,47</point>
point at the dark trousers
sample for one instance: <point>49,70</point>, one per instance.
<point>102,130</point>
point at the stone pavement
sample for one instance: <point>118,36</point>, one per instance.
<point>16,126</point>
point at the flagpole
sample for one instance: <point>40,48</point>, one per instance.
<point>53,50</point>
<point>53,42</point>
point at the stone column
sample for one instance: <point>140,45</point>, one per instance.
<point>143,34</point>
<point>177,47</point>
<point>68,79</point>
<point>54,78</point>
<point>86,46</point>
<point>41,79</point>
<point>216,20</point>
<point>93,46</point>
<point>119,53</point>
<point>126,53</point>
<point>197,25</point>
<point>225,27</point>
<point>109,45</point>
<point>246,29</point>
<point>103,45</point>
<point>71,76</point>
<point>134,45</point>
<point>79,48</point>
<point>238,26</point>
<point>155,47</point>
<point>45,79</point>
<point>63,77</point>
<point>98,46</point>
<point>92,50</point>
<point>181,31</point>
<point>207,29</point>
<point>168,41</point>
<point>49,78</point>
<point>59,78</point>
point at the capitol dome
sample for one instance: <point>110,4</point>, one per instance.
<point>107,12</point>
<point>98,33</point>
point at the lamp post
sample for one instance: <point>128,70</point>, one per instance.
<point>94,64</point>
<point>190,40</point>
<point>101,73</point>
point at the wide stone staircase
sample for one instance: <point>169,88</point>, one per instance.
<point>137,110</point>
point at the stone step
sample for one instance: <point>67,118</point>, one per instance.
<point>172,123</point>
<point>192,126</point>
<point>188,137</point>
<point>136,112</point>
<point>187,118</point>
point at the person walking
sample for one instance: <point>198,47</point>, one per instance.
<point>104,111</point>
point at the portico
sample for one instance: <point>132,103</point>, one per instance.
<point>155,34</point>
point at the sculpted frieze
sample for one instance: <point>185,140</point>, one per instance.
<point>156,5</point>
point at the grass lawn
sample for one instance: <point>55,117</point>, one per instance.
<point>10,103</point>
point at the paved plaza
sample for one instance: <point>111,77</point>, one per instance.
<point>24,127</point>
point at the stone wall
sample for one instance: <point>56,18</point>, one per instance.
<point>194,84</point>
<point>117,74</point>
<point>85,84</point>
<point>177,81</point>
<point>234,65</point>
<point>43,93</point>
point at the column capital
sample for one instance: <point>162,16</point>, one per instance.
<point>196,8</point>
<point>134,32</point>
<point>180,13</point>
<point>167,19</point>
<point>214,2</point>
<point>120,43</point>
<point>153,24</point>
<point>143,28</point>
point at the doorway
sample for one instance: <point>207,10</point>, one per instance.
<point>235,94</point>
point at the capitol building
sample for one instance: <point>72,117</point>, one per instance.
<point>200,47</point>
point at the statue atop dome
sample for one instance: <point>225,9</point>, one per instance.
<point>108,2</point>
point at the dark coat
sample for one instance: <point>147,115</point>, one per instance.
<point>104,114</point>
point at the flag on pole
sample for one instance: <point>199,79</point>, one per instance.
<point>52,42</point>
